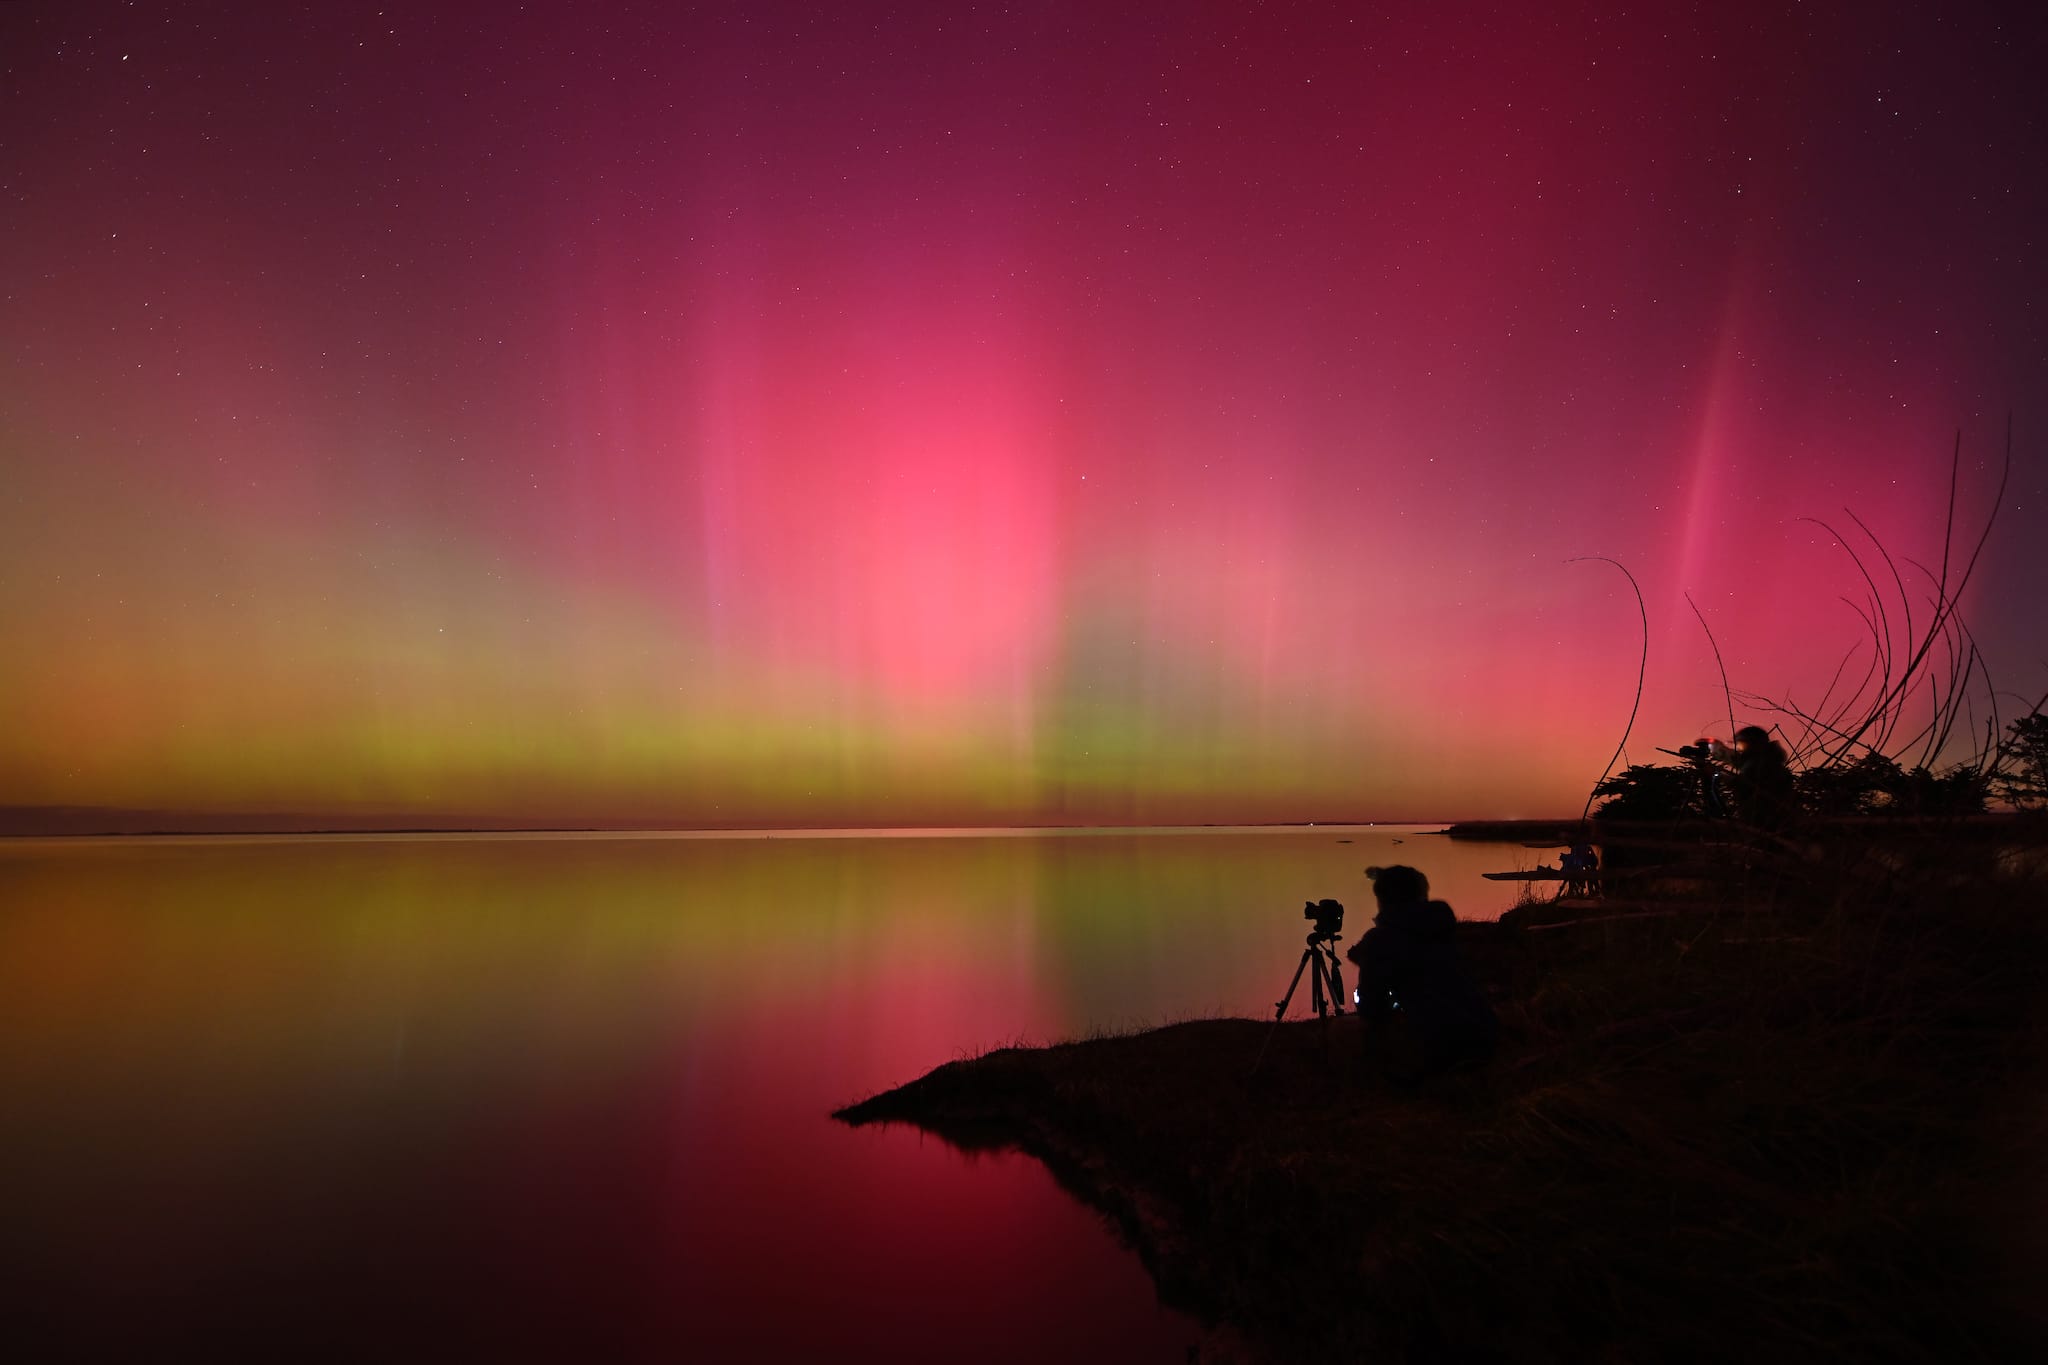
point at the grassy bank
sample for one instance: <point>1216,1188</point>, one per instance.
<point>1796,1122</point>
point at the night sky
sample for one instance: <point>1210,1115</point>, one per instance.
<point>843,413</point>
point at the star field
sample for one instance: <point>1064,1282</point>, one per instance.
<point>777,413</point>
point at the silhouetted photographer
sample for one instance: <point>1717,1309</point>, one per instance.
<point>1759,779</point>
<point>1422,1012</point>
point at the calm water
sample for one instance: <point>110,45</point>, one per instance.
<point>566,1097</point>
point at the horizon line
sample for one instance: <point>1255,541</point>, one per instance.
<point>764,831</point>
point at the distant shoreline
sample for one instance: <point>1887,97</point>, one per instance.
<point>47,823</point>
<point>281,830</point>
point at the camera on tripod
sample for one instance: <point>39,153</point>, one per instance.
<point>1699,752</point>
<point>1319,959</point>
<point>1328,915</point>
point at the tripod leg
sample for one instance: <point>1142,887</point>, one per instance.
<point>1281,1008</point>
<point>1337,983</point>
<point>1326,997</point>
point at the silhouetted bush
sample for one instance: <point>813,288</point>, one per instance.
<point>1650,791</point>
<point>2022,776</point>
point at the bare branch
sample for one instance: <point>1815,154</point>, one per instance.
<point>1642,670</point>
<point>1726,695</point>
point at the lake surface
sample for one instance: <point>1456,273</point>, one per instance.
<point>567,1097</point>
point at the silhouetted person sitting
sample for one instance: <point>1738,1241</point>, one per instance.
<point>1579,867</point>
<point>1422,1012</point>
<point>1760,780</point>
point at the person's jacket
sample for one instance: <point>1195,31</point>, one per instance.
<point>1763,787</point>
<point>1409,961</point>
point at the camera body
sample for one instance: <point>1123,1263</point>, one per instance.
<point>1697,753</point>
<point>1328,915</point>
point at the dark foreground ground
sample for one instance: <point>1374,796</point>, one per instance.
<point>1797,1115</point>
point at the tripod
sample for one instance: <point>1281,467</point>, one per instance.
<point>1713,800</point>
<point>1325,987</point>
